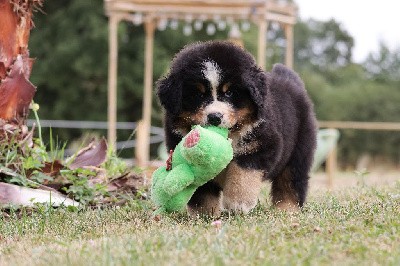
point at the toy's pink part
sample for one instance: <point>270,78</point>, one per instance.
<point>192,139</point>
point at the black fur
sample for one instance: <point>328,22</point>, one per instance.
<point>277,100</point>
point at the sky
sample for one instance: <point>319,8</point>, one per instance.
<point>367,21</point>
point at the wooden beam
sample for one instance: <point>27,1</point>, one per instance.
<point>289,45</point>
<point>360,125</point>
<point>280,18</point>
<point>143,139</point>
<point>254,9</point>
<point>112,80</point>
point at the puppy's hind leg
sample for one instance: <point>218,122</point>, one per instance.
<point>289,189</point>
<point>285,194</point>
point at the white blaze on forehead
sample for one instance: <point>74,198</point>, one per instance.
<point>212,73</point>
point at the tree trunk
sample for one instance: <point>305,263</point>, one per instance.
<point>16,91</point>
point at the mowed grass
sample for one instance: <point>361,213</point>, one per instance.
<point>356,226</point>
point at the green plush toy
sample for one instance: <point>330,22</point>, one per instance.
<point>201,155</point>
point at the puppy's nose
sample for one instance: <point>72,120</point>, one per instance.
<point>214,119</point>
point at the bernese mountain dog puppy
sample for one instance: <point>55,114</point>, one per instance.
<point>269,116</point>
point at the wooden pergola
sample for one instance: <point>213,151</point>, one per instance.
<point>151,12</point>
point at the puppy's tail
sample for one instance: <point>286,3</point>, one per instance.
<point>283,77</point>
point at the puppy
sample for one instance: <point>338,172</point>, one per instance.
<point>269,116</point>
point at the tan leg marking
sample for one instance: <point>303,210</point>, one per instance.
<point>283,195</point>
<point>241,188</point>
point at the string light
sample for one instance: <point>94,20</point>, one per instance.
<point>137,19</point>
<point>174,24</point>
<point>245,25</point>
<point>187,29</point>
<point>235,31</point>
<point>191,23</point>
<point>221,25</point>
<point>198,24</point>
<point>210,29</point>
<point>162,24</point>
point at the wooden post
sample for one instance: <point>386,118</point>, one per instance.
<point>140,135</point>
<point>143,138</point>
<point>331,163</point>
<point>262,42</point>
<point>112,79</point>
<point>289,45</point>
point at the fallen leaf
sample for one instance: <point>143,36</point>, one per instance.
<point>52,168</point>
<point>129,182</point>
<point>92,155</point>
<point>23,196</point>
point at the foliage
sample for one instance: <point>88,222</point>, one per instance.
<point>322,44</point>
<point>80,186</point>
<point>384,64</point>
<point>25,161</point>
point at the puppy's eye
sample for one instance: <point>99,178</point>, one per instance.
<point>228,93</point>
<point>200,94</point>
<point>200,88</point>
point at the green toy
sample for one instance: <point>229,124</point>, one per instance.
<point>200,156</point>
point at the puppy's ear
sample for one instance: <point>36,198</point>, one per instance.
<point>256,82</point>
<point>169,91</point>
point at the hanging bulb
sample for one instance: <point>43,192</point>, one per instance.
<point>245,25</point>
<point>162,24</point>
<point>187,30</point>
<point>174,24</point>
<point>210,29</point>
<point>235,33</point>
<point>137,19</point>
<point>275,26</point>
<point>198,25</point>
<point>221,25</point>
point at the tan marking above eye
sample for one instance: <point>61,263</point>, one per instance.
<point>225,87</point>
<point>201,87</point>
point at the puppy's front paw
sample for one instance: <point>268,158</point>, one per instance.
<point>238,205</point>
<point>288,205</point>
<point>241,188</point>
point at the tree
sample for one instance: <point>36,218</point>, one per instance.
<point>16,91</point>
<point>323,44</point>
<point>384,65</point>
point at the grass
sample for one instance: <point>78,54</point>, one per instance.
<point>356,226</point>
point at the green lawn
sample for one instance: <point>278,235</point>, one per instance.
<point>355,226</point>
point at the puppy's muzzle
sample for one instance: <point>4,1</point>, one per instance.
<point>214,119</point>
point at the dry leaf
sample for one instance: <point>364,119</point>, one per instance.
<point>23,196</point>
<point>92,155</point>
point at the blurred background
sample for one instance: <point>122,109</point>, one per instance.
<point>347,52</point>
